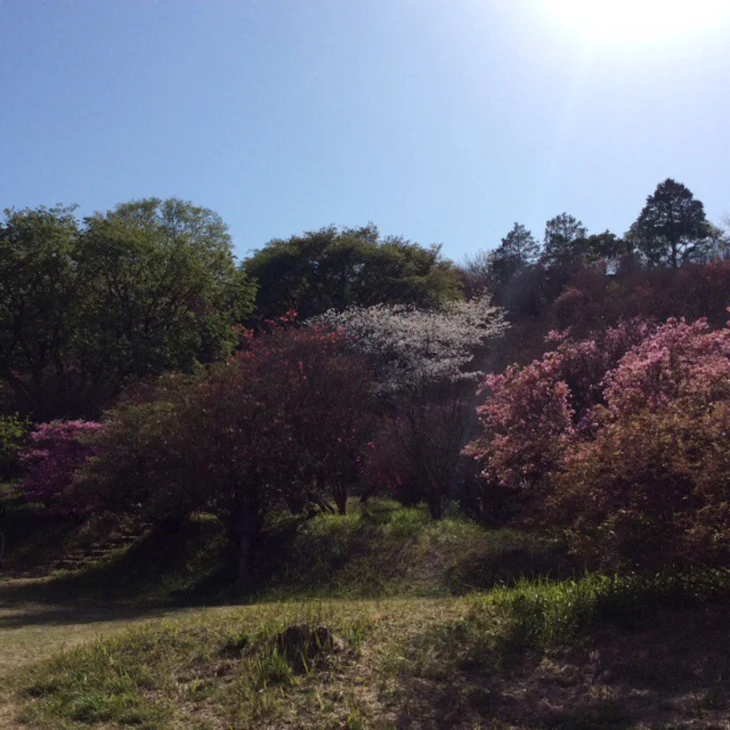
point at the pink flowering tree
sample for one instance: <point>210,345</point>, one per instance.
<point>54,452</point>
<point>622,441</point>
<point>534,414</point>
<point>653,488</point>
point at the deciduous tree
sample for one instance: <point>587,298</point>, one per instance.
<point>339,268</point>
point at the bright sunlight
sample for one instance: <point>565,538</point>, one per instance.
<point>638,22</point>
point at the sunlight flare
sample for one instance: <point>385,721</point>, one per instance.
<point>638,22</point>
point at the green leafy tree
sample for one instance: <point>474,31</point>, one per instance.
<point>339,268</point>
<point>13,431</point>
<point>672,228</point>
<point>40,294</point>
<point>517,250</point>
<point>499,267</point>
<point>87,309</point>
<point>163,288</point>
<point>606,247</point>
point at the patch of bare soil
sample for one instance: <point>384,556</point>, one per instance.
<point>674,673</point>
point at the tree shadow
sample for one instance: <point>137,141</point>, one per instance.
<point>481,572</point>
<point>674,671</point>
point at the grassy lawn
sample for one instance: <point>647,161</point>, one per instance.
<point>426,625</point>
<point>588,653</point>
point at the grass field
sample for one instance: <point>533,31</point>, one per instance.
<point>431,626</point>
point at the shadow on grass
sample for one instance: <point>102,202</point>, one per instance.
<point>187,567</point>
<point>671,671</point>
<point>67,616</point>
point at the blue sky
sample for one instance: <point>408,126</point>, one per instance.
<point>442,121</point>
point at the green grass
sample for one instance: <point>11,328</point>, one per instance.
<point>227,669</point>
<point>458,621</point>
<point>441,663</point>
<point>382,549</point>
<point>379,549</point>
<point>544,615</point>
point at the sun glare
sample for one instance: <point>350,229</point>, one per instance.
<point>638,22</point>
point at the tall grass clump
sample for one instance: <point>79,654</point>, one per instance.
<point>541,614</point>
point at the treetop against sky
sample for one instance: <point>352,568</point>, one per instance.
<point>441,122</point>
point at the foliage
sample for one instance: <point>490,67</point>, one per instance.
<point>55,452</point>
<point>533,414</point>
<point>39,300</point>
<point>13,430</point>
<point>86,309</point>
<point>517,250</point>
<point>672,228</point>
<point>352,267</point>
<point>652,489</point>
<point>281,424</point>
<point>165,287</point>
<point>420,359</point>
<point>564,240</point>
<point>620,438</point>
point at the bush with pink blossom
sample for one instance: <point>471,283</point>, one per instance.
<point>54,452</point>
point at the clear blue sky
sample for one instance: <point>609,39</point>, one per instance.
<point>439,120</point>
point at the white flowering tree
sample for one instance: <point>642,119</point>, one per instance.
<point>414,348</point>
<point>424,363</point>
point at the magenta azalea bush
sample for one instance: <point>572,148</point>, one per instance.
<point>54,452</point>
<point>622,440</point>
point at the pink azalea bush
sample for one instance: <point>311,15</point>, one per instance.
<point>54,453</point>
<point>533,414</point>
<point>622,440</point>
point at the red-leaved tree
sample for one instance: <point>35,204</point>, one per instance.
<point>281,425</point>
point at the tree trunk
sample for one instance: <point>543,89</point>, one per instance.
<point>246,529</point>
<point>340,496</point>
<point>243,577</point>
<point>435,506</point>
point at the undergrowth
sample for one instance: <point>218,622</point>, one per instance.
<point>382,549</point>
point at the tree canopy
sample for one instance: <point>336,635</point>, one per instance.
<point>672,228</point>
<point>87,307</point>
<point>339,268</point>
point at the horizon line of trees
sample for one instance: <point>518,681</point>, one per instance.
<point>168,378</point>
<point>89,307</point>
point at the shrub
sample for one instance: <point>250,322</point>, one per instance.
<point>13,430</point>
<point>534,414</point>
<point>622,441</point>
<point>651,491</point>
<point>55,452</point>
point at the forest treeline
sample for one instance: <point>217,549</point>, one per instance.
<point>146,371</point>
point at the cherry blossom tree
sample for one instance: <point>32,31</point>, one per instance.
<point>424,375</point>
